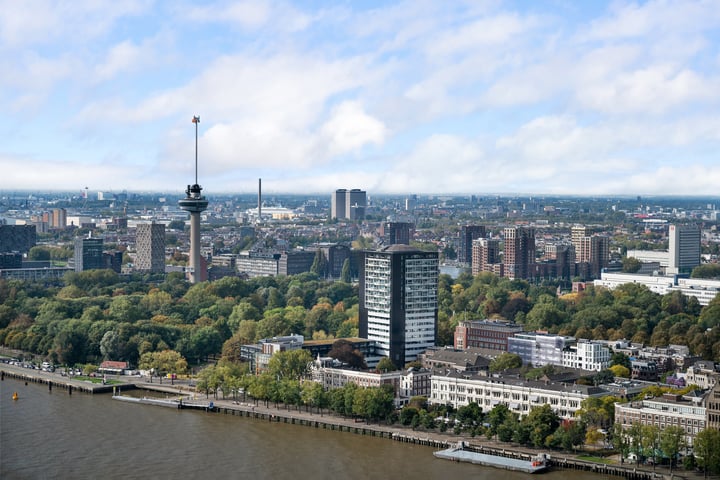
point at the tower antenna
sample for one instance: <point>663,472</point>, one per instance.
<point>196,120</point>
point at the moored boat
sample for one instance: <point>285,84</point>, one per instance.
<point>460,453</point>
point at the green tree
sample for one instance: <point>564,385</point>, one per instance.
<point>386,365</point>
<point>707,450</point>
<point>631,265</point>
<point>345,275</point>
<point>290,364</point>
<point>166,361</point>
<point>672,442</point>
<point>505,361</point>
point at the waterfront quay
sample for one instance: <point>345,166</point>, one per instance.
<point>291,415</point>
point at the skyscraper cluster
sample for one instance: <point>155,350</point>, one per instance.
<point>348,204</point>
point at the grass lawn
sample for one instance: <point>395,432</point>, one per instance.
<point>591,458</point>
<point>98,380</point>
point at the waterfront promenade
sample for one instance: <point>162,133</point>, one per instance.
<point>289,414</point>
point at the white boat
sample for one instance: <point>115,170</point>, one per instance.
<point>460,453</point>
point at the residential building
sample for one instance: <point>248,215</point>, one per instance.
<point>520,396</point>
<point>397,233</point>
<point>687,412</point>
<point>398,301</point>
<point>519,252</point>
<point>295,261</point>
<point>538,349</point>
<point>486,256</point>
<point>587,355</point>
<point>58,218</point>
<point>150,247</point>
<point>468,233</point>
<point>485,334</point>
<point>466,360</point>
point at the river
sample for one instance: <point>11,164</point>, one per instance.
<point>55,435</point>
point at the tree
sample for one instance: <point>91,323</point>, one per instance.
<point>542,422</point>
<point>707,450</point>
<point>631,265</point>
<point>38,253</point>
<point>672,441</point>
<point>166,361</point>
<point>319,265</point>
<point>345,275</point>
<point>290,364</point>
<point>505,361</point>
<point>386,365</point>
<point>343,351</point>
<point>620,371</point>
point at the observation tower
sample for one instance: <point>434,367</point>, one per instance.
<point>194,203</point>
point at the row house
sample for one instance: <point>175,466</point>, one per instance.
<point>688,412</point>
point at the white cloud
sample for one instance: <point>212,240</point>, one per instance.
<point>350,128</point>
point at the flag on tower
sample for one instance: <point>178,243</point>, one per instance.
<point>196,119</point>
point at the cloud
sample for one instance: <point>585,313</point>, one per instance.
<point>350,128</point>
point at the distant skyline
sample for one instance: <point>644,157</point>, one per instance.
<point>426,97</point>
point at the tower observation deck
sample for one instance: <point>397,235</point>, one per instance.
<point>194,203</point>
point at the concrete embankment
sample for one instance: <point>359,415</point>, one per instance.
<point>64,383</point>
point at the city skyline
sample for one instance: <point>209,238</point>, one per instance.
<point>606,98</point>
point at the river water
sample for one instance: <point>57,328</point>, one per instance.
<point>57,436</point>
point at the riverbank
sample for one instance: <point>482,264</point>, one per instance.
<point>291,415</point>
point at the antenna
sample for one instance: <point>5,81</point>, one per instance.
<point>196,120</point>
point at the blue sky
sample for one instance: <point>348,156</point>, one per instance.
<point>555,97</point>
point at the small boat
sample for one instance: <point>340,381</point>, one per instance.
<point>15,396</point>
<point>460,453</point>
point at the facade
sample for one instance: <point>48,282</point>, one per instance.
<point>587,355</point>
<point>684,248</point>
<point>295,261</point>
<point>335,254</point>
<point>17,238</point>
<point>538,349</point>
<point>469,233</point>
<point>258,264</point>
<point>397,233</point>
<point>461,388</point>
<point>150,247</point>
<point>712,408</point>
<point>89,254</point>
<point>58,218</point>
<point>348,204</point>
<point>705,290</point>
<point>485,334</point>
<point>519,254</point>
<point>398,301</point>
<point>563,255</point>
<point>486,256</point>
<point>689,413</point>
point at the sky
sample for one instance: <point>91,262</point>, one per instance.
<point>477,97</point>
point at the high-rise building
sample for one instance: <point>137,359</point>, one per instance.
<point>519,252</point>
<point>337,204</point>
<point>485,255</point>
<point>684,248</point>
<point>397,233</point>
<point>17,238</point>
<point>399,301</point>
<point>89,254</point>
<point>195,203</point>
<point>150,247</point>
<point>592,252</point>
<point>58,218</point>
<point>348,204</point>
<point>468,233</point>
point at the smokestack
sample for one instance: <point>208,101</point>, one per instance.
<point>259,200</point>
